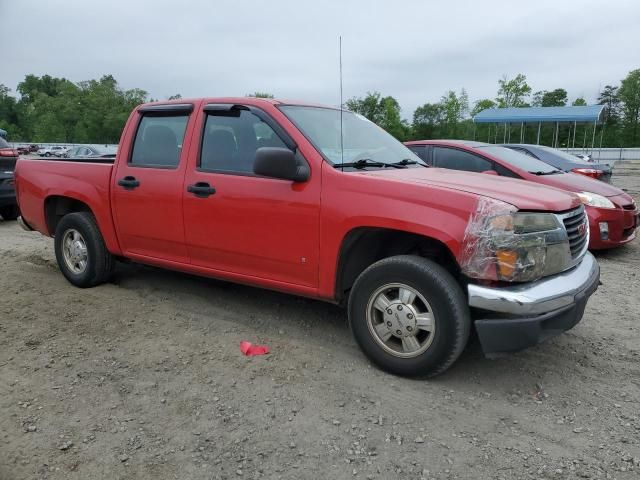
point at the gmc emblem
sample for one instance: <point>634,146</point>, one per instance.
<point>582,228</point>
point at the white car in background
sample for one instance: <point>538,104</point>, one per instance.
<point>53,151</point>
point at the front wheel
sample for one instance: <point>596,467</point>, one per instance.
<point>409,316</point>
<point>81,253</point>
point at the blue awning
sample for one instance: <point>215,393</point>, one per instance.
<point>587,114</point>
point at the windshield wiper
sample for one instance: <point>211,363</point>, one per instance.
<point>552,172</point>
<point>367,162</point>
<point>408,161</point>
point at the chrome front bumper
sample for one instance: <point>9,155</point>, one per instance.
<point>540,297</point>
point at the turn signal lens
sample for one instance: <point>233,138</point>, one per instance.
<point>506,260</point>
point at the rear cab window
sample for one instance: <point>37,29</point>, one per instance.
<point>159,139</point>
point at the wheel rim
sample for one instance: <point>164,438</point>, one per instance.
<point>401,320</point>
<point>74,251</point>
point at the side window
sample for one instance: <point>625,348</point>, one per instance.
<point>459,160</point>
<point>158,141</point>
<point>419,150</point>
<point>230,140</point>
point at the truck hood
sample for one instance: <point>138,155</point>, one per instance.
<point>522,194</point>
<point>574,182</point>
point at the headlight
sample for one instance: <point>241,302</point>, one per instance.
<point>595,200</point>
<point>513,246</point>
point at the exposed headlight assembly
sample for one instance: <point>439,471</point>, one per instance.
<point>503,244</point>
<point>594,200</point>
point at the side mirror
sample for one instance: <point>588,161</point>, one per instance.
<point>490,172</point>
<point>276,162</point>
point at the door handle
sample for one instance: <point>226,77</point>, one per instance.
<point>129,182</point>
<point>201,189</point>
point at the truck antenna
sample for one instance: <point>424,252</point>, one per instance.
<point>341,105</point>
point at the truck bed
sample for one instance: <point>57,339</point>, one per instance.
<point>39,181</point>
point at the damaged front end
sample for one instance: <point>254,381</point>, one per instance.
<point>502,244</point>
<point>524,284</point>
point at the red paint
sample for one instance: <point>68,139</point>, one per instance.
<point>265,232</point>
<point>622,219</point>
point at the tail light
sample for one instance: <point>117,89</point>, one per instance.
<point>589,172</point>
<point>8,152</point>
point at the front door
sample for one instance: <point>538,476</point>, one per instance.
<point>241,223</point>
<point>147,195</point>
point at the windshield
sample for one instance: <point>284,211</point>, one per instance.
<point>561,154</point>
<point>362,139</point>
<point>519,160</point>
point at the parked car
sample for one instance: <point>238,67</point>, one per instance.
<point>564,161</point>
<point>27,149</point>
<point>8,158</point>
<point>260,192</point>
<point>613,215</point>
<point>53,151</point>
<point>91,151</point>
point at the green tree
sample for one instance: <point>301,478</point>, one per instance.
<point>629,94</point>
<point>455,107</point>
<point>481,105</point>
<point>514,92</point>
<point>383,111</point>
<point>177,96</point>
<point>260,95</point>
<point>609,98</point>
<point>579,102</point>
<point>427,121</point>
<point>554,98</point>
<point>536,98</point>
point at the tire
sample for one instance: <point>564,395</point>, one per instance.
<point>99,263</point>
<point>9,212</point>
<point>47,154</point>
<point>437,296</point>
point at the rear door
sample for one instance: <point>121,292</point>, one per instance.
<point>241,223</point>
<point>147,194</point>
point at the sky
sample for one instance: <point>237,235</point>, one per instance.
<point>414,51</point>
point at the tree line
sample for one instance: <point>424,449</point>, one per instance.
<point>50,109</point>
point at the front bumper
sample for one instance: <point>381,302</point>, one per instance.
<point>622,224</point>
<point>520,316</point>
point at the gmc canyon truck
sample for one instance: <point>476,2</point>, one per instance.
<point>319,202</point>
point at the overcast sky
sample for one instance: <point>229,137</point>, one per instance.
<point>412,50</point>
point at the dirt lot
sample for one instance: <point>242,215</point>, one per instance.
<point>143,379</point>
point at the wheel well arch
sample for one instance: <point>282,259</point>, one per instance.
<point>57,206</point>
<point>363,246</point>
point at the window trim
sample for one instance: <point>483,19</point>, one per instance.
<point>258,112</point>
<point>166,108</point>
<point>163,113</point>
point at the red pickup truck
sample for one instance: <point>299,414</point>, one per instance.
<point>313,201</point>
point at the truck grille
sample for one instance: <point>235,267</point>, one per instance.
<point>577,231</point>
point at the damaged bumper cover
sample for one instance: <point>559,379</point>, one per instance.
<point>527,314</point>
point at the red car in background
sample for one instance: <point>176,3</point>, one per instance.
<point>613,215</point>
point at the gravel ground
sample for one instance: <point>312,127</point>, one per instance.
<point>143,379</point>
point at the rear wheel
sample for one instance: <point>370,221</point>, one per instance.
<point>409,316</point>
<point>81,253</point>
<point>10,212</point>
